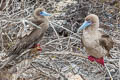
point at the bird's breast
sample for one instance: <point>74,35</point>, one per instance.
<point>90,40</point>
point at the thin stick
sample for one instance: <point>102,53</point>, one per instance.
<point>66,29</point>
<point>55,32</point>
<point>65,52</point>
<point>109,72</point>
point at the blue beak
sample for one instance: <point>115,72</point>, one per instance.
<point>84,25</point>
<point>43,13</point>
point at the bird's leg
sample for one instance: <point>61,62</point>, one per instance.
<point>35,49</point>
<point>38,47</point>
<point>98,60</point>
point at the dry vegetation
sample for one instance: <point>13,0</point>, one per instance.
<point>63,55</point>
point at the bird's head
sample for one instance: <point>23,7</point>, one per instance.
<point>91,20</point>
<point>40,12</point>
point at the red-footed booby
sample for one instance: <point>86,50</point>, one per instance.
<point>96,42</point>
<point>28,41</point>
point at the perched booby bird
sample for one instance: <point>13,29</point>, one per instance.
<point>28,41</point>
<point>96,42</point>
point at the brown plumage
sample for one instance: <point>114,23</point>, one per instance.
<point>96,42</point>
<point>34,37</point>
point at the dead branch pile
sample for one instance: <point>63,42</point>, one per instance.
<point>63,55</point>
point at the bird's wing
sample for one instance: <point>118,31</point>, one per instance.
<point>106,42</point>
<point>28,40</point>
<point>27,27</point>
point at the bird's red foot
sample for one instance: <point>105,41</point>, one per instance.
<point>37,46</point>
<point>98,60</point>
